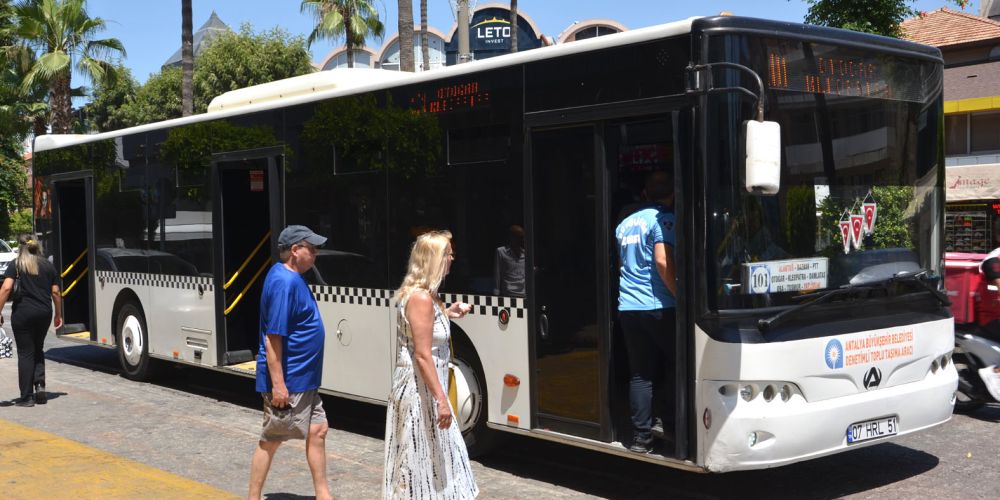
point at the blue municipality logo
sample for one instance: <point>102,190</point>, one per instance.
<point>834,354</point>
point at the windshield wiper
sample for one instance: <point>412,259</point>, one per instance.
<point>766,323</point>
<point>917,277</point>
<point>901,277</point>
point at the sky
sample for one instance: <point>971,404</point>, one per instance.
<point>151,30</point>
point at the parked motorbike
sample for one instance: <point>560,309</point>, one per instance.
<point>977,359</point>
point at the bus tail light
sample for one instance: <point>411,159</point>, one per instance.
<point>511,380</point>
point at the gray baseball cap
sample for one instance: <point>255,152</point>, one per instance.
<point>294,234</point>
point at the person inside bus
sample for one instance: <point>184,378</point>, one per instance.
<point>647,288</point>
<point>38,289</point>
<point>508,265</point>
<point>425,454</point>
<point>290,361</point>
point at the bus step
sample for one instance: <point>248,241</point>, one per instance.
<point>71,328</point>
<point>77,335</point>
<point>248,367</point>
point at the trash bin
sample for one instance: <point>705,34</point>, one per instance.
<point>962,280</point>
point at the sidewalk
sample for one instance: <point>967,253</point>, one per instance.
<point>36,464</point>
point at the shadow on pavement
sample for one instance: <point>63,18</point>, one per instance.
<point>616,477</point>
<point>988,413</point>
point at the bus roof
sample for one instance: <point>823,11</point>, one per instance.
<point>257,98</point>
<point>335,83</point>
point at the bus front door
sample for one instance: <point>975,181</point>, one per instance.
<point>585,179</point>
<point>564,240</point>
<point>247,221</point>
<point>72,256</point>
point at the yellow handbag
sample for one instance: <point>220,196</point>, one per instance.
<point>452,390</point>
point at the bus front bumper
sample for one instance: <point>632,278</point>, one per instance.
<point>758,434</point>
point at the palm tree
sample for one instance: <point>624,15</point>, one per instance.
<point>64,34</point>
<point>355,20</point>
<point>513,25</point>
<point>425,44</point>
<point>406,35</point>
<point>187,60</point>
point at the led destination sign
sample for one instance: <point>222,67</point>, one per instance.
<point>448,98</point>
<point>843,72</point>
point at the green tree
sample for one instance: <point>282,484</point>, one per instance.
<point>13,190</point>
<point>236,60</point>
<point>881,17</point>
<point>103,112</point>
<point>62,33</point>
<point>159,99</point>
<point>355,20</point>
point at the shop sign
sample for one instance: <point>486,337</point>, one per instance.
<point>491,34</point>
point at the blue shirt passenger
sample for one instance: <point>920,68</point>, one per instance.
<point>640,286</point>
<point>288,309</point>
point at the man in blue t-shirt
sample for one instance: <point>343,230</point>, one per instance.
<point>290,361</point>
<point>647,287</point>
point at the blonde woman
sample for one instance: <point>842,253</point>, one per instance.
<point>31,315</point>
<point>425,455</point>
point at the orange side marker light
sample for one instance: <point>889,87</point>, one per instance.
<point>511,380</point>
<point>513,419</point>
<point>176,354</point>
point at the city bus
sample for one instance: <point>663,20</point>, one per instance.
<point>808,174</point>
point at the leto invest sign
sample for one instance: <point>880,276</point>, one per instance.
<point>491,34</point>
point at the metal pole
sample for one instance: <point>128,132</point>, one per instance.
<point>463,32</point>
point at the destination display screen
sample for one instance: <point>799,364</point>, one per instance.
<point>838,71</point>
<point>466,96</point>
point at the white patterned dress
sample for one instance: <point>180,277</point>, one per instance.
<point>421,459</point>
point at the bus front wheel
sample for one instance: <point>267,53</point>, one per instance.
<point>471,412</point>
<point>133,342</point>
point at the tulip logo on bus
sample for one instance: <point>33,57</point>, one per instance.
<point>834,354</point>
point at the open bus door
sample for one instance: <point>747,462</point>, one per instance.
<point>247,219</point>
<point>73,251</point>
<point>585,174</point>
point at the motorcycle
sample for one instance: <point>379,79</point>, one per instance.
<point>977,359</point>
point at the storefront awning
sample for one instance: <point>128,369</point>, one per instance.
<point>972,182</point>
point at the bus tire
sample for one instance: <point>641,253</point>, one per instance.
<point>133,342</point>
<point>968,397</point>
<point>471,412</point>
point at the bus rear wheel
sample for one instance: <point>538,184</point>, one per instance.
<point>133,342</point>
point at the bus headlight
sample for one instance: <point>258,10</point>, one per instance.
<point>751,439</point>
<point>769,393</point>
<point>786,392</point>
<point>746,392</point>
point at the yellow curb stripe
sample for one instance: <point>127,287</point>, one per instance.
<point>36,464</point>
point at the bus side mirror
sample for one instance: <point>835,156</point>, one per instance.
<point>763,166</point>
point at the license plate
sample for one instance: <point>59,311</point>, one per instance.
<point>872,429</point>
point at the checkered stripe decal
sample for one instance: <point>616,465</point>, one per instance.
<point>351,295</point>
<point>487,305</point>
<point>481,304</point>
<point>157,280</point>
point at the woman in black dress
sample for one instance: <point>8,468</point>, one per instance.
<point>31,315</point>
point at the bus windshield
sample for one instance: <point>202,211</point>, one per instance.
<point>861,188</point>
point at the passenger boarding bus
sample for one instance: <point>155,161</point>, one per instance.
<point>808,167</point>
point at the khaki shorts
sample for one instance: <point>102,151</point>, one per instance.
<point>292,421</point>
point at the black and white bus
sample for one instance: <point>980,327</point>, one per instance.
<point>809,170</point>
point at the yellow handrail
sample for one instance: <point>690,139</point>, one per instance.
<point>70,268</point>
<point>77,280</point>
<point>247,261</point>
<point>252,281</point>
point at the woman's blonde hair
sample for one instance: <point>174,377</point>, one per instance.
<point>29,251</point>
<point>426,268</point>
